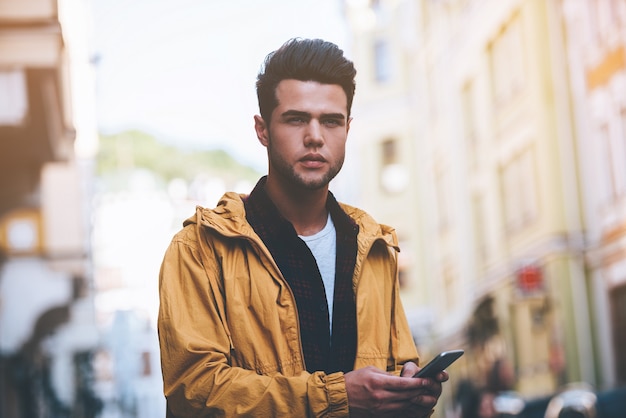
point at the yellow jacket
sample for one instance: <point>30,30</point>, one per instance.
<point>228,323</point>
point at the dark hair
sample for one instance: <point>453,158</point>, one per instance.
<point>304,60</point>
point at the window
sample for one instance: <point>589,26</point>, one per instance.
<point>382,61</point>
<point>611,189</point>
<point>442,190</point>
<point>389,151</point>
<point>616,12</point>
<point>146,364</point>
<point>425,18</point>
<point>450,286</point>
<point>394,177</point>
<point>508,62</point>
<point>13,98</point>
<point>480,241</point>
<point>469,122</point>
<point>432,88</point>
<point>605,18</point>
<point>519,191</point>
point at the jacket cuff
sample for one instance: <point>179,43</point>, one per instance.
<point>337,395</point>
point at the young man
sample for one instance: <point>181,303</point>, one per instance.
<point>284,303</point>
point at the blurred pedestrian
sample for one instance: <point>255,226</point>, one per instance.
<point>576,400</point>
<point>475,402</point>
<point>285,302</point>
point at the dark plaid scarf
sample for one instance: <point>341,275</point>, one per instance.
<point>297,264</point>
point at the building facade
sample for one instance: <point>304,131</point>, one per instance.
<point>508,113</point>
<point>47,141</point>
<point>596,52</point>
<point>382,139</point>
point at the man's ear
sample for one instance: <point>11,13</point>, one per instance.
<point>348,124</point>
<point>261,130</point>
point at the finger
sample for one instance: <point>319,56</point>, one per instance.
<point>431,390</point>
<point>402,383</point>
<point>425,400</point>
<point>433,387</point>
<point>409,369</point>
<point>442,376</point>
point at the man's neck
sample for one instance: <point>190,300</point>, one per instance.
<point>305,209</point>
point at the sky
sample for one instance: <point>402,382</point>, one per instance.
<point>184,70</point>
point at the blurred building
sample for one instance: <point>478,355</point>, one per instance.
<point>47,142</point>
<point>127,369</point>
<point>596,52</point>
<point>382,138</point>
<point>485,130</point>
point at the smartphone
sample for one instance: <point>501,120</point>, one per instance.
<point>439,363</point>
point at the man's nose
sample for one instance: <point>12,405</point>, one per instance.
<point>314,135</point>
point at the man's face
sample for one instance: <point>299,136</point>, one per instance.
<point>307,134</point>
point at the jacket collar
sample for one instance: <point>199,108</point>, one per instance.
<point>261,208</point>
<point>229,219</point>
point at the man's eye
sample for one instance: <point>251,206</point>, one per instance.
<point>295,120</point>
<point>332,122</point>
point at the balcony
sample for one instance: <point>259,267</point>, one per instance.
<point>34,124</point>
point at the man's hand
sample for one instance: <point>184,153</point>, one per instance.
<point>373,392</point>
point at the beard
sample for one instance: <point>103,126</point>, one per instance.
<point>288,174</point>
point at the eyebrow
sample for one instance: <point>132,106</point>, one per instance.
<point>308,115</point>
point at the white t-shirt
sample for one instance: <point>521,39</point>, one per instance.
<point>323,245</point>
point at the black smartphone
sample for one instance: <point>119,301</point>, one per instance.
<point>439,363</point>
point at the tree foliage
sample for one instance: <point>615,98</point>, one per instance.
<point>126,151</point>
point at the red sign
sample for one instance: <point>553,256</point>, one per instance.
<point>529,279</point>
